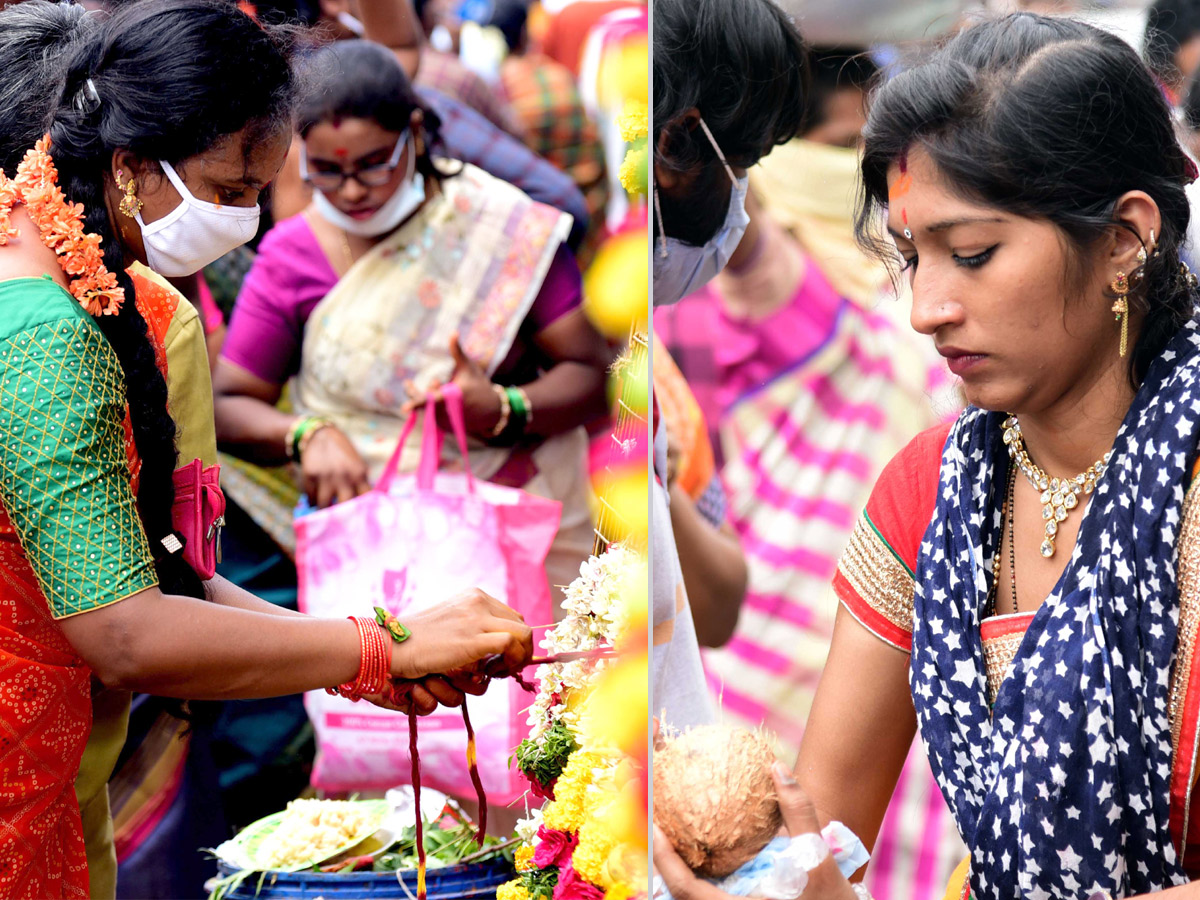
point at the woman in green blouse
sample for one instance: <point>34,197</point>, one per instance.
<point>173,117</point>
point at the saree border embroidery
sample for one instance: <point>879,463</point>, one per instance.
<point>1183,699</point>
<point>1001,637</point>
<point>881,581</point>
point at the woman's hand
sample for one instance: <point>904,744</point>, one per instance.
<point>455,638</point>
<point>427,694</point>
<point>481,403</point>
<point>825,882</point>
<point>331,468</point>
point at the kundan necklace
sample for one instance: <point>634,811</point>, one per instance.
<point>1059,495</point>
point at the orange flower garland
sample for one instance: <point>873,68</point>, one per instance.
<point>60,224</point>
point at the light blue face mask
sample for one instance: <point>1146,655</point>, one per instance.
<point>679,268</point>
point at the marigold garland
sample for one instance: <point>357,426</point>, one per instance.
<point>60,226</point>
<point>589,777</point>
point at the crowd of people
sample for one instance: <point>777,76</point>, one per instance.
<point>921,448</point>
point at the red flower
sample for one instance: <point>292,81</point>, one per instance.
<point>545,791</point>
<point>554,848</point>
<point>571,887</point>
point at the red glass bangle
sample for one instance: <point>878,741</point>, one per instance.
<point>375,665</point>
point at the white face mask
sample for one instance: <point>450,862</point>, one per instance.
<point>403,203</point>
<point>195,233</point>
<point>679,268</point>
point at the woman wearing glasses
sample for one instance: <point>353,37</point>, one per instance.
<point>405,271</point>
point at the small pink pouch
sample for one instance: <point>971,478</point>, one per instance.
<point>199,515</point>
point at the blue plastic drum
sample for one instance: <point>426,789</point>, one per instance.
<point>475,880</point>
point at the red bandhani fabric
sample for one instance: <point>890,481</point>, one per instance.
<point>45,718</point>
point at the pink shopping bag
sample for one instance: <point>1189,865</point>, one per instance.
<point>407,545</point>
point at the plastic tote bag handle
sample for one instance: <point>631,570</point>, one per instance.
<point>431,441</point>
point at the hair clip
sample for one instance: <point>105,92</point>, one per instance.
<point>87,98</point>
<point>173,544</point>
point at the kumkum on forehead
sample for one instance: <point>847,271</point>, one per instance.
<point>899,188</point>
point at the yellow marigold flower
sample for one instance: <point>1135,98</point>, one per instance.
<point>619,891</point>
<point>588,861</point>
<point>634,121</point>
<point>634,169</point>
<point>561,816</point>
<point>512,890</point>
<point>523,858</point>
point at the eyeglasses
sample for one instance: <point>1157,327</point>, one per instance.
<point>367,176</point>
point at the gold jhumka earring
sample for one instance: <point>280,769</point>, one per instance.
<point>130,205</point>
<point>1120,287</point>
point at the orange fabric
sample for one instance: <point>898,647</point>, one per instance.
<point>958,888</point>
<point>687,430</point>
<point>157,305</point>
<point>45,702</point>
<point>568,30</point>
<point>45,718</point>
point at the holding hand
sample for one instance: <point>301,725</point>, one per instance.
<point>331,468</point>
<point>455,638</point>
<point>825,882</point>
<point>481,402</point>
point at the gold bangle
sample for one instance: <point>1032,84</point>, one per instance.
<point>505,410</point>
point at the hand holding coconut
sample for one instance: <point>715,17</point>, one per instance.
<point>720,797</point>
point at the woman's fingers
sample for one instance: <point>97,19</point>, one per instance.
<point>423,700</point>
<point>799,814</point>
<point>680,880</point>
<point>326,492</point>
<point>443,691</point>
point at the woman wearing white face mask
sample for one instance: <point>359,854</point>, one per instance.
<point>402,273</point>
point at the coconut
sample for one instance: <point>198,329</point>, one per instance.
<point>714,798</point>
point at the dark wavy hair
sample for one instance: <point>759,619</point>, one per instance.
<point>173,78</point>
<point>1049,119</point>
<point>744,66</point>
<point>357,79</point>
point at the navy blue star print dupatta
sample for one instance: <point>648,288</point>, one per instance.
<point>1063,789</point>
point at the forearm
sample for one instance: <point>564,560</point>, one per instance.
<point>714,571</point>
<point>1183,892</point>
<point>569,395</point>
<point>226,593</point>
<point>184,647</point>
<point>394,24</point>
<point>252,429</point>
<point>859,731</point>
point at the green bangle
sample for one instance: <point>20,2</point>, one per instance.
<point>517,401</point>
<point>306,425</point>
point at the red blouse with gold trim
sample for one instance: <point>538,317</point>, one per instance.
<point>875,583</point>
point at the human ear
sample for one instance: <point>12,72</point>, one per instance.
<point>664,177</point>
<point>1139,215</point>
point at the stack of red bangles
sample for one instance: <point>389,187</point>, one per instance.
<point>376,665</point>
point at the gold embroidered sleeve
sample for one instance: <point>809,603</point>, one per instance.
<point>875,585</point>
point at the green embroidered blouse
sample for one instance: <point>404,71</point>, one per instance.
<point>64,473</point>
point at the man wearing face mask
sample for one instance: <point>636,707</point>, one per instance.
<point>730,79</point>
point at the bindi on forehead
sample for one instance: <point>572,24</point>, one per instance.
<point>899,188</point>
<point>341,152</point>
